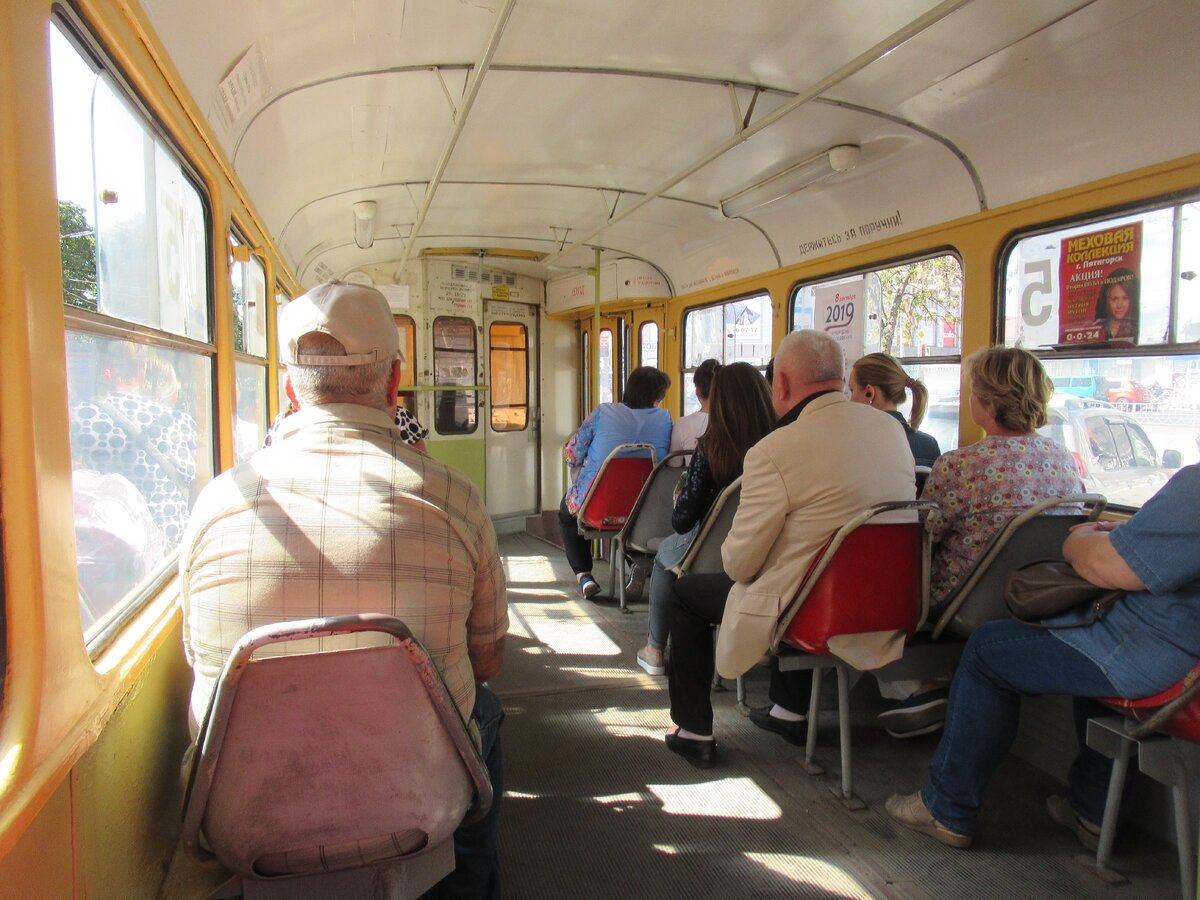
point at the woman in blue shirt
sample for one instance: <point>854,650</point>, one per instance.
<point>1146,642</point>
<point>636,419</point>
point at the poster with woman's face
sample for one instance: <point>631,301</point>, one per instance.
<point>1098,277</point>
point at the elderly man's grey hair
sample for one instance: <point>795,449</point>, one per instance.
<point>811,356</point>
<point>366,385</point>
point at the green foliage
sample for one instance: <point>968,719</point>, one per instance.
<point>77,243</point>
<point>929,290</point>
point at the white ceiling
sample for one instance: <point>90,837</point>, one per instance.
<point>590,104</point>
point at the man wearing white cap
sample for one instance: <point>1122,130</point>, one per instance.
<point>340,516</point>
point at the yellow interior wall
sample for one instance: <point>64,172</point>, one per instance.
<point>109,830</point>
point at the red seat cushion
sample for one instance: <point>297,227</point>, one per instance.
<point>1185,724</point>
<point>615,492</point>
<point>873,583</point>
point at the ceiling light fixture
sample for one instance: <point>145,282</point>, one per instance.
<point>364,223</point>
<point>841,158</point>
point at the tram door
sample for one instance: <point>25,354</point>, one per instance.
<point>510,408</point>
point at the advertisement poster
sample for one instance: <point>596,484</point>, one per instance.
<point>1098,277</point>
<point>840,312</point>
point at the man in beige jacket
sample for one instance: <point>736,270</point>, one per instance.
<point>826,460</point>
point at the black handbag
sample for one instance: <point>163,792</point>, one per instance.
<point>1040,590</point>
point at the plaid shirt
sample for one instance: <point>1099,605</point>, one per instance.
<point>337,517</point>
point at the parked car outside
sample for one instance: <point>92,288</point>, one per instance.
<point>1125,394</point>
<point>1093,387</point>
<point>1114,455</point>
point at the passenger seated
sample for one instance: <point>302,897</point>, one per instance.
<point>687,429</point>
<point>339,516</point>
<point>636,419</point>
<point>826,460</point>
<point>1146,642</point>
<point>977,489</point>
<point>741,415</point>
<point>878,380</point>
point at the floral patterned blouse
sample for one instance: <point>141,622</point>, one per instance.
<point>978,488</point>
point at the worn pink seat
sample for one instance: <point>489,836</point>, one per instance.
<point>334,773</point>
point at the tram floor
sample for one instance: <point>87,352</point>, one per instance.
<point>596,807</point>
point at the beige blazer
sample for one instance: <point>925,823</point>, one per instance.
<point>801,483</point>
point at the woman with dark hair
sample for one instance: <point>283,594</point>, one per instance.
<point>740,414</point>
<point>879,381</point>
<point>636,419</point>
<point>687,429</point>
<point>1117,306</point>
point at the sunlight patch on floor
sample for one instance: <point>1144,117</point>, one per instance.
<point>728,798</point>
<point>529,569</point>
<point>578,638</point>
<point>829,878</point>
<point>620,722</point>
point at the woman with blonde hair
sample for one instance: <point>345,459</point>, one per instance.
<point>879,381</point>
<point>979,487</point>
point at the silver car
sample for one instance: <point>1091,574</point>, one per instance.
<point>1114,455</point>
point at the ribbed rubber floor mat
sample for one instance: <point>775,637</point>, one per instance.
<point>596,807</point>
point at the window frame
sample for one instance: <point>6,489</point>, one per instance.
<point>687,373</point>
<point>440,389</point>
<point>492,349</point>
<point>103,325</point>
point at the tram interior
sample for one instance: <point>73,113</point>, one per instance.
<point>549,193</point>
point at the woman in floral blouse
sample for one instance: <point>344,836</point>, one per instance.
<point>978,488</point>
<point>740,414</point>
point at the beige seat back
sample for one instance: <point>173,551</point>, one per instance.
<point>326,761</point>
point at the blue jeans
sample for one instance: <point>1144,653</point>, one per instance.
<point>673,548</point>
<point>476,852</point>
<point>1003,661</point>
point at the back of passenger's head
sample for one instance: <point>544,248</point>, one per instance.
<point>739,416</point>
<point>889,377</point>
<point>339,342</point>
<point>703,378</point>
<point>645,387</point>
<point>810,356</point>
<point>769,374</point>
<point>1013,386</point>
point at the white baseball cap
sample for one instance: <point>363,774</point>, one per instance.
<point>356,315</point>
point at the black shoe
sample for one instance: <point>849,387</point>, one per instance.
<point>919,714</point>
<point>701,754</point>
<point>792,732</point>
<point>588,586</point>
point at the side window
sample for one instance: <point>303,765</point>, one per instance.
<point>133,228</point>
<point>1143,450</point>
<point>509,365</point>
<point>648,344</point>
<point>249,279</point>
<point>1102,443</point>
<point>606,365</point>
<point>1084,296</point>
<point>911,311</point>
<point>454,359</point>
<point>731,331</point>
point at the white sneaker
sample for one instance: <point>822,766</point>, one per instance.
<point>651,659</point>
<point>588,586</point>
